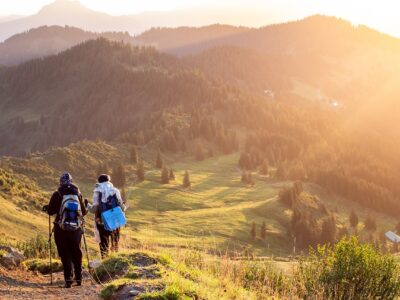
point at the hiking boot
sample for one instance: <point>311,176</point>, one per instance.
<point>67,285</point>
<point>78,283</point>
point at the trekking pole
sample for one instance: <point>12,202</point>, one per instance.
<point>45,209</point>
<point>51,263</point>
<point>84,242</point>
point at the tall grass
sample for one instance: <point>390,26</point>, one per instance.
<point>37,247</point>
<point>348,270</point>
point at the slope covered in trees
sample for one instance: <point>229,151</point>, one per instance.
<point>47,40</point>
<point>113,91</point>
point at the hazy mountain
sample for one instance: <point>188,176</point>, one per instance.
<point>47,40</point>
<point>65,12</point>
<point>315,34</point>
<point>9,18</point>
<point>174,40</point>
<point>72,13</point>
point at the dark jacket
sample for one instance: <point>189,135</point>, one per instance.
<point>56,199</point>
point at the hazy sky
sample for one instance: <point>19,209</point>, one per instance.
<point>382,15</point>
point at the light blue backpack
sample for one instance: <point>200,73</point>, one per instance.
<point>112,216</point>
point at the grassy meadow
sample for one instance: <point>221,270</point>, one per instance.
<point>215,214</point>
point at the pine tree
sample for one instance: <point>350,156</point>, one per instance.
<point>263,231</point>
<point>164,175</point>
<point>353,219</point>
<point>199,153</point>
<point>159,161</point>
<point>264,168</point>
<point>328,232</point>
<point>140,170</point>
<point>397,228</point>
<point>370,223</point>
<point>244,178</point>
<point>253,231</point>
<point>250,179</point>
<point>244,161</point>
<point>171,174</point>
<point>186,180</point>
<point>280,172</point>
<point>118,176</point>
<point>133,155</point>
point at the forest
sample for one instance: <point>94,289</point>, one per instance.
<point>137,95</point>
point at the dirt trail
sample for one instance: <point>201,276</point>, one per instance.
<point>20,284</point>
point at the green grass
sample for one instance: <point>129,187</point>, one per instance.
<point>216,213</point>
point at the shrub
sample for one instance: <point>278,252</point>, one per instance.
<point>264,278</point>
<point>42,265</point>
<point>37,247</point>
<point>349,270</point>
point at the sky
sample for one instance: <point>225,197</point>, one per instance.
<point>382,15</point>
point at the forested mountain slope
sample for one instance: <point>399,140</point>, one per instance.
<point>47,40</point>
<point>113,91</point>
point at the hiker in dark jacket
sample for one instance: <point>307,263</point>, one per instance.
<point>108,240</point>
<point>67,232</point>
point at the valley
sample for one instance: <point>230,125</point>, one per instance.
<point>255,163</point>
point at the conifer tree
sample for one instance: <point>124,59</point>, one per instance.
<point>118,176</point>
<point>250,179</point>
<point>134,155</point>
<point>280,172</point>
<point>370,223</point>
<point>328,232</point>
<point>353,219</point>
<point>253,231</point>
<point>159,161</point>
<point>171,174</point>
<point>263,231</point>
<point>186,180</point>
<point>199,153</point>
<point>140,173</point>
<point>264,168</point>
<point>164,175</point>
<point>244,177</point>
<point>397,228</point>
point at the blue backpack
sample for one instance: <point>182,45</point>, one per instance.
<point>111,213</point>
<point>70,213</point>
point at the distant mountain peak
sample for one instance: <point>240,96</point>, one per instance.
<point>64,6</point>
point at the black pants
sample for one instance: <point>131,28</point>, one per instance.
<point>107,237</point>
<point>69,249</point>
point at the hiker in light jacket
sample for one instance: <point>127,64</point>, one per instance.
<point>103,189</point>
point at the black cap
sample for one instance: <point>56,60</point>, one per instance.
<point>103,178</point>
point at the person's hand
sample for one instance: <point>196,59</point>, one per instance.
<point>45,208</point>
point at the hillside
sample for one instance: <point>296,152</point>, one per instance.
<point>48,40</point>
<point>215,215</point>
<point>169,103</point>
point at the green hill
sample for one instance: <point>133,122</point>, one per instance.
<point>216,214</point>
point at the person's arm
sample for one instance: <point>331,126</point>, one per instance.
<point>83,206</point>
<point>54,204</point>
<point>94,207</point>
<point>120,201</point>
